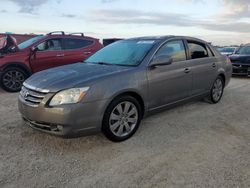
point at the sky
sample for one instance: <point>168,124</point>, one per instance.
<point>222,22</point>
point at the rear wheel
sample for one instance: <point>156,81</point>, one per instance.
<point>12,79</point>
<point>122,118</point>
<point>217,90</point>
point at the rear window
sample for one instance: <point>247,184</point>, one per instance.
<point>70,44</point>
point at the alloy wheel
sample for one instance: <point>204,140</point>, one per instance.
<point>13,79</point>
<point>217,90</point>
<point>123,119</point>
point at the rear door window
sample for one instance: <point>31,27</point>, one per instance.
<point>174,49</point>
<point>197,50</point>
<point>70,44</point>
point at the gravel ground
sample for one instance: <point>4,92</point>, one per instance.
<point>194,145</point>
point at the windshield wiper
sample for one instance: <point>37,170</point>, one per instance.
<point>111,64</point>
<point>99,63</point>
<point>104,63</point>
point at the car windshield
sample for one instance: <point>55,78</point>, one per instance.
<point>124,53</point>
<point>227,50</point>
<point>29,42</point>
<point>245,50</point>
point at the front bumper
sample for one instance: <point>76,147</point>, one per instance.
<point>67,120</point>
<point>241,69</point>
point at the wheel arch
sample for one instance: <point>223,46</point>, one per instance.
<point>134,94</point>
<point>222,75</point>
<point>222,72</point>
<point>18,65</point>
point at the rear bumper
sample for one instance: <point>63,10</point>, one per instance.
<point>67,120</point>
<point>241,69</point>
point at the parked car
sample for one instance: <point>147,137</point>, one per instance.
<point>7,44</point>
<point>43,52</point>
<point>120,84</point>
<point>227,50</point>
<point>241,61</point>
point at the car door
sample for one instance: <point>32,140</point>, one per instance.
<point>77,50</point>
<point>203,63</point>
<point>47,54</point>
<point>169,83</point>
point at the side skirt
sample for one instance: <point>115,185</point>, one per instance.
<point>175,104</point>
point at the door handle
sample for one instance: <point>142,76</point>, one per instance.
<point>187,70</point>
<point>87,53</point>
<point>214,65</point>
<point>60,55</point>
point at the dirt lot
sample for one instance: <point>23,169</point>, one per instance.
<point>195,145</point>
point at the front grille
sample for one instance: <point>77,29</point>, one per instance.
<point>32,97</point>
<point>235,61</point>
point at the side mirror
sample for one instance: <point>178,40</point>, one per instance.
<point>34,49</point>
<point>12,49</point>
<point>161,61</point>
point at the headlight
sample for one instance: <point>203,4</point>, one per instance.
<point>69,96</point>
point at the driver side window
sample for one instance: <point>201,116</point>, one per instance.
<point>174,49</point>
<point>50,45</point>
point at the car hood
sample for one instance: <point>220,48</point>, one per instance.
<point>75,75</point>
<point>237,58</point>
<point>226,53</point>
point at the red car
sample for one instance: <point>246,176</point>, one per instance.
<point>18,62</point>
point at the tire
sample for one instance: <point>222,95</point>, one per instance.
<point>12,79</point>
<point>121,118</point>
<point>216,91</point>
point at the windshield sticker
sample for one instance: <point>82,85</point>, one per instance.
<point>146,42</point>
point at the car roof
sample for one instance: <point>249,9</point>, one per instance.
<point>70,36</point>
<point>228,47</point>
<point>165,37</point>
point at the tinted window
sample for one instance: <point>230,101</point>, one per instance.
<point>245,50</point>
<point>76,43</point>
<point>197,50</point>
<point>174,49</point>
<point>124,52</point>
<point>50,45</point>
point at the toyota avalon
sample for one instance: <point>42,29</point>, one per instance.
<point>122,83</point>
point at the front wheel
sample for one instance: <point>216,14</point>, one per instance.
<point>122,118</point>
<point>12,79</point>
<point>217,90</point>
